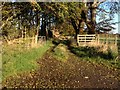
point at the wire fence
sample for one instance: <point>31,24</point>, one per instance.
<point>28,42</point>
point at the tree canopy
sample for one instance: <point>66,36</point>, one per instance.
<point>38,17</point>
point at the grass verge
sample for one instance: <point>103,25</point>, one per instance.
<point>93,55</point>
<point>61,53</point>
<point>15,60</point>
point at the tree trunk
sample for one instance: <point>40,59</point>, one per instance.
<point>81,28</point>
<point>92,18</point>
<point>75,28</point>
<point>43,26</point>
<point>37,23</point>
<point>91,28</point>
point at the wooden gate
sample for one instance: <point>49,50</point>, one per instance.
<point>85,40</point>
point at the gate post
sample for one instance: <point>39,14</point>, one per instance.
<point>36,39</point>
<point>98,39</point>
<point>116,39</point>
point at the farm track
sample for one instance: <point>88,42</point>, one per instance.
<point>74,73</point>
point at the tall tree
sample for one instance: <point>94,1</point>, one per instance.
<point>95,7</point>
<point>41,15</point>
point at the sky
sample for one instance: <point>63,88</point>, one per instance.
<point>116,26</point>
<point>115,19</point>
<point>119,23</point>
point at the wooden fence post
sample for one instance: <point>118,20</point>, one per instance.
<point>25,33</point>
<point>98,38</point>
<point>22,33</point>
<point>85,40</point>
<point>116,39</point>
<point>107,39</point>
<point>36,39</point>
<point>77,40</point>
<point>118,44</point>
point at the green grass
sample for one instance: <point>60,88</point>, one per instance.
<point>61,53</point>
<point>108,63</point>
<point>93,55</point>
<point>15,60</point>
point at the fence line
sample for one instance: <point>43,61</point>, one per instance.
<point>35,39</point>
<point>28,41</point>
<point>97,39</point>
<point>108,38</point>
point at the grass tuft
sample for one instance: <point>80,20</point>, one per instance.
<point>61,53</point>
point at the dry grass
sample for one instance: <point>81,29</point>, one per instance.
<point>103,47</point>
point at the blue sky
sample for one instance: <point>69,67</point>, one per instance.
<point>116,18</point>
<point>116,26</point>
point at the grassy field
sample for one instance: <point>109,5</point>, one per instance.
<point>16,60</point>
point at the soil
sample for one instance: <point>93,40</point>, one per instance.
<point>73,73</point>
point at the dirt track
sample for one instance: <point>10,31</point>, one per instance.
<point>71,74</point>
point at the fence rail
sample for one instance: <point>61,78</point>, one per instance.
<point>28,41</point>
<point>35,39</point>
<point>84,39</point>
<point>97,39</point>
